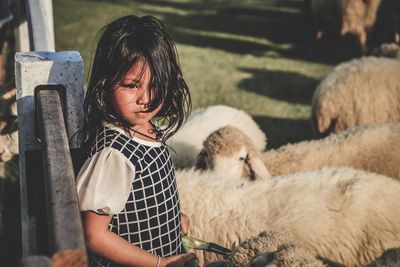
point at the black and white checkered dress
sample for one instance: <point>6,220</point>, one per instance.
<point>151,217</point>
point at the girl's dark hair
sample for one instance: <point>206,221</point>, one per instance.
<point>123,43</point>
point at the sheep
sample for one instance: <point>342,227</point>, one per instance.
<point>275,249</point>
<point>269,249</point>
<point>349,18</point>
<point>386,28</point>
<point>272,249</point>
<point>289,255</point>
<point>339,214</point>
<point>187,142</point>
<point>265,242</point>
<point>360,91</point>
<point>372,148</point>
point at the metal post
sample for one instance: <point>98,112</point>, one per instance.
<point>41,25</point>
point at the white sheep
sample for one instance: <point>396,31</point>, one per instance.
<point>342,215</point>
<point>188,141</point>
<point>372,148</point>
<point>269,249</point>
<point>345,18</point>
<point>288,255</point>
<point>273,248</point>
<point>360,91</point>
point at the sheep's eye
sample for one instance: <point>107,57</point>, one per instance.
<point>242,158</point>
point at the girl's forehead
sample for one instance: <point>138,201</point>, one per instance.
<point>138,71</point>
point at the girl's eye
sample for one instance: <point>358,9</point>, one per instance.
<point>130,85</point>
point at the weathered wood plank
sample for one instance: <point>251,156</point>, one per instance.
<point>36,261</point>
<point>65,227</point>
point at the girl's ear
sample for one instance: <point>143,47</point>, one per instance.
<point>256,167</point>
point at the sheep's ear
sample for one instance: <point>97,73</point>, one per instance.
<point>201,160</point>
<point>257,168</point>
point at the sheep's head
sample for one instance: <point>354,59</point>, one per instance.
<point>358,16</point>
<point>228,150</point>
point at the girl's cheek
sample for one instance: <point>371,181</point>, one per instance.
<point>129,98</point>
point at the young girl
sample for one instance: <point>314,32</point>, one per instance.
<point>126,188</point>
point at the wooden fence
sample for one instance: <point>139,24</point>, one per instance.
<point>50,187</point>
<point>65,234</point>
<point>49,114</point>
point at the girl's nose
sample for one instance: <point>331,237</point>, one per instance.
<point>144,97</point>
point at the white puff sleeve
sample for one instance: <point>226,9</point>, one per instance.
<point>104,182</point>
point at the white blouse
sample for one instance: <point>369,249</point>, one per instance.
<point>104,182</point>
<point>105,179</point>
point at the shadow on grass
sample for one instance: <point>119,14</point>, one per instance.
<point>282,85</point>
<point>278,26</point>
<point>270,28</point>
<point>161,3</point>
<point>281,131</point>
<point>217,42</point>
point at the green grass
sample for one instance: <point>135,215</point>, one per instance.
<point>252,55</point>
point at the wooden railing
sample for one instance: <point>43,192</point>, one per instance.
<point>50,106</point>
<point>37,261</point>
<point>54,222</point>
<point>65,234</point>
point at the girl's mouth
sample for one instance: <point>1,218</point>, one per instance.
<point>141,113</point>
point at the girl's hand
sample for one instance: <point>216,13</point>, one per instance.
<point>177,260</point>
<point>184,224</point>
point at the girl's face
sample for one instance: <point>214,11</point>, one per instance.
<point>131,96</point>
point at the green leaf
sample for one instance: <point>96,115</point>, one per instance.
<point>232,255</point>
<point>190,243</point>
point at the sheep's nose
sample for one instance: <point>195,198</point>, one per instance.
<point>352,42</point>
